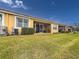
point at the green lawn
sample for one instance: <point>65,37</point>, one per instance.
<point>48,46</point>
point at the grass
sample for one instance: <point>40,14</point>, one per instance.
<point>49,46</point>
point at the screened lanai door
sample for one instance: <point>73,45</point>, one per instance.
<point>0,19</point>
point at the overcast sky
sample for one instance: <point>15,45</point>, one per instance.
<point>62,11</point>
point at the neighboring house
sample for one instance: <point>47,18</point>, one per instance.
<point>64,28</point>
<point>15,21</point>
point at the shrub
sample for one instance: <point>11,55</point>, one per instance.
<point>27,31</point>
<point>61,31</point>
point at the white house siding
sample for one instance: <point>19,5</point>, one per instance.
<point>54,28</point>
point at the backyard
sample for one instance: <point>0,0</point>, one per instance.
<point>45,46</point>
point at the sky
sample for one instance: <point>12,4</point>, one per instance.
<point>60,11</point>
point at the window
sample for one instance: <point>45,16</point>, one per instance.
<point>19,22</point>
<point>0,19</point>
<point>25,23</point>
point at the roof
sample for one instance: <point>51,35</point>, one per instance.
<point>61,25</point>
<point>42,20</point>
<point>32,17</point>
<point>13,13</point>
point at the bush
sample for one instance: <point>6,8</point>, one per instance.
<point>27,31</point>
<point>61,31</point>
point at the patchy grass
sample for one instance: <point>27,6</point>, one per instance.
<point>50,46</point>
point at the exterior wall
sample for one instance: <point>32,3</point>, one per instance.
<point>9,21</point>
<point>54,28</point>
<point>10,24</point>
<point>31,23</point>
<point>19,28</point>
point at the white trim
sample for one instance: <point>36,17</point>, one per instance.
<point>27,22</point>
<point>23,22</point>
<point>3,19</point>
<point>16,23</point>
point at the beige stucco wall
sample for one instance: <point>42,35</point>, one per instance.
<point>54,30</point>
<point>30,23</point>
<point>9,21</point>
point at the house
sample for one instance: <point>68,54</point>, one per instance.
<point>14,22</point>
<point>64,28</point>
